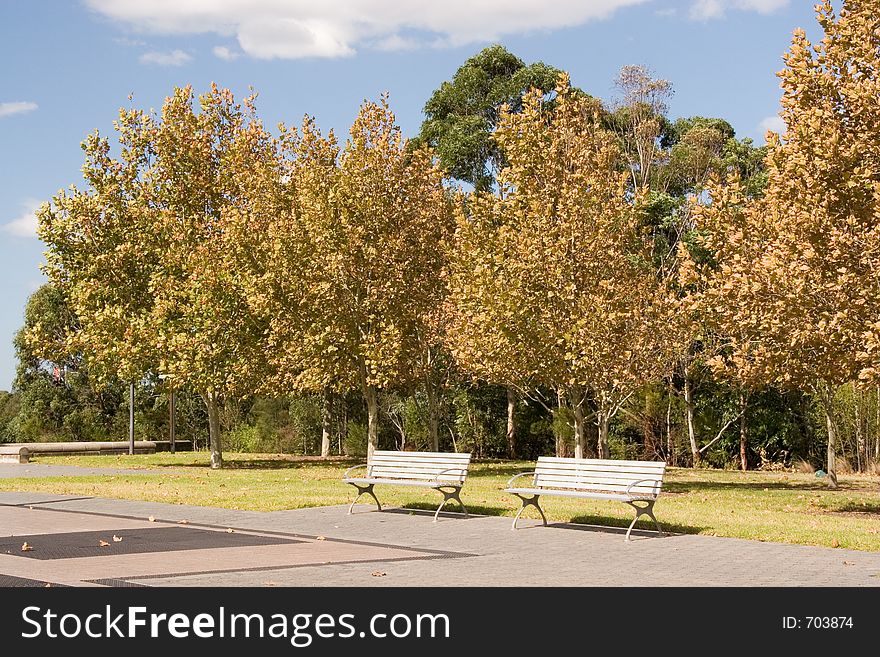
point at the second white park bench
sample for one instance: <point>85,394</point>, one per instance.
<point>636,483</point>
<point>445,472</point>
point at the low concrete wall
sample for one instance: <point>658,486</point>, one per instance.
<point>20,452</point>
<point>14,454</point>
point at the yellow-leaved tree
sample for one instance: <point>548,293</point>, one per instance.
<point>360,258</point>
<point>552,280</point>
<point>794,289</point>
<point>148,252</point>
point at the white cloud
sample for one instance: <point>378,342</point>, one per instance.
<point>173,58</point>
<point>761,6</point>
<point>225,53</point>
<point>125,41</point>
<point>703,10</point>
<point>774,123</point>
<point>25,225</point>
<point>396,42</point>
<point>291,29</point>
<point>18,107</point>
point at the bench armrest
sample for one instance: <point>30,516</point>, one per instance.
<point>515,477</point>
<point>629,488</point>
<point>354,467</point>
<point>461,470</point>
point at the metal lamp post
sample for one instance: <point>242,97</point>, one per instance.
<point>131,418</point>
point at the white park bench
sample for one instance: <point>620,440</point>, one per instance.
<point>443,471</point>
<point>636,483</point>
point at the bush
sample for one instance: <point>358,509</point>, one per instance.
<point>356,440</point>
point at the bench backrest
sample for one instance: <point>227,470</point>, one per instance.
<point>420,466</point>
<point>600,475</point>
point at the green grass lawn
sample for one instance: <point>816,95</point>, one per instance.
<point>768,506</point>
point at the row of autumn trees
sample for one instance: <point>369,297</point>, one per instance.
<point>601,251</point>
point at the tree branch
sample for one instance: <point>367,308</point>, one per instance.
<point>721,432</point>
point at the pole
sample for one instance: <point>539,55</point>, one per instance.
<point>171,414</point>
<point>131,418</point>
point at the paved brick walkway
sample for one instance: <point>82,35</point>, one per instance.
<point>326,547</point>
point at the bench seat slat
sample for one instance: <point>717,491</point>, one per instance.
<point>382,475</point>
<point>544,482</point>
<point>611,472</point>
<point>611,490</point>
<point>421,456</point>
<point>575,493</point>
<point>412,477</point>
<point>619,474</point>
<point>595,482</point>
<point>400,482</point>
<point>597,476</point>
<point>408,459</point>
<point>567,460</point>
<point>419,467</point>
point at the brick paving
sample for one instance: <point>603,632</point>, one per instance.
<point>327,547</point>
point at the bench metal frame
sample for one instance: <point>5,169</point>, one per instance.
<point>449,490</point>
<point>643,505</point>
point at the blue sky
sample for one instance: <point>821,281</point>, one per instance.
<point>68,67</point>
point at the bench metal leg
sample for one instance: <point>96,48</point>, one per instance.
<point>368,489</point>
<point>529,501</point>
<point>646,510</point>
<point>453,493</point>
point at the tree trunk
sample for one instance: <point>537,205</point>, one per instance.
<point>877,430</point>
<point>511,423</point>
<point>689,413</point>
<point>649,429</point>
<point>826,394</point>
<point>214,430</point>
<point>342,424</point>
<point>326,417</point>
<point>861,449</point>
<point>670,443</point>
<point>433,416</point>
<point>580,438</point>
<point>743,432</point>
<point>558,435</point>
<point>371,394</point>
<point>602,443</point>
